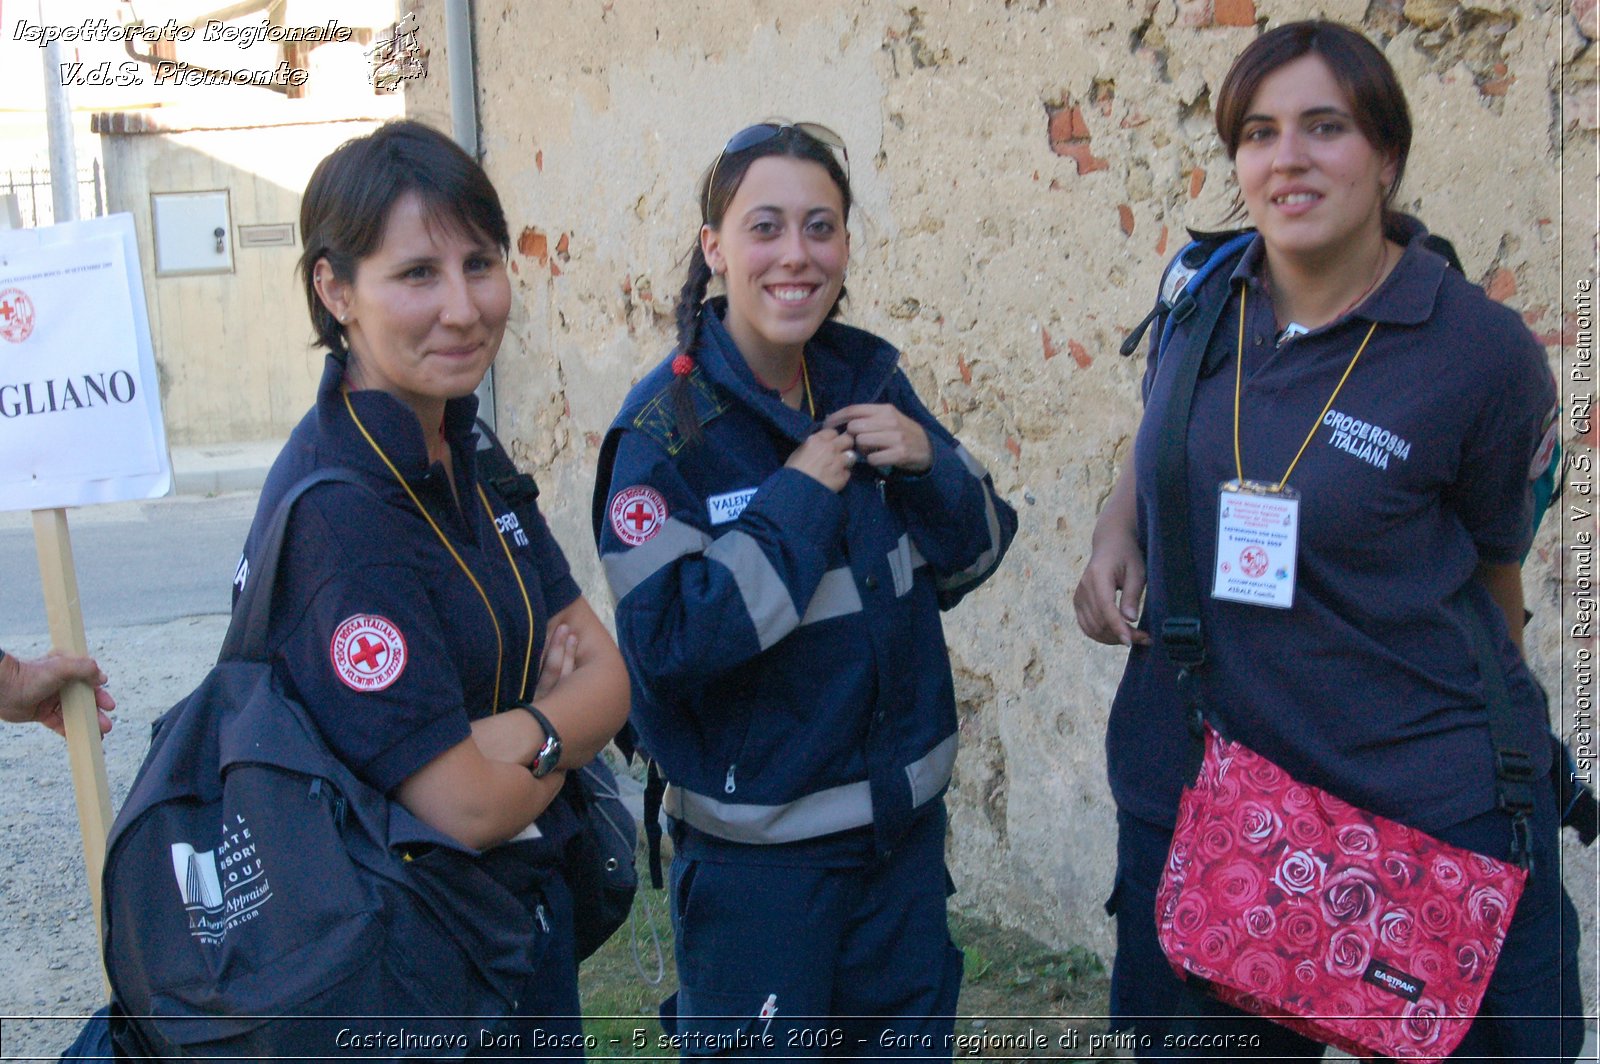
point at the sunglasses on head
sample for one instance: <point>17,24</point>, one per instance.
<point>760,133</point>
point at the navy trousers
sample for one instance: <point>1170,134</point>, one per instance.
<point>800,961</point>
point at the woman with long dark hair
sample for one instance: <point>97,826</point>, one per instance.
<point>781,521</point>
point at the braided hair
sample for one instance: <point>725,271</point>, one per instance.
<point>717,189</point>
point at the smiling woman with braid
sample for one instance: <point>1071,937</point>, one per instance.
<point>781,521</point>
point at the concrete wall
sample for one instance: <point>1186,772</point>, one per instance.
<point>1024,168</point>
<point>232,349</point>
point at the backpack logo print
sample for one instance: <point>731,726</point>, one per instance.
<point>223,887</point>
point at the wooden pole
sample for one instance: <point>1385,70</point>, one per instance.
<point>60,583</point>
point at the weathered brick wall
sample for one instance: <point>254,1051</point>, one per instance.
<point>1023,169</point>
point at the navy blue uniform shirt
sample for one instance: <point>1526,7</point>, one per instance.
<point>374,625</point>
<point>1368,685</point>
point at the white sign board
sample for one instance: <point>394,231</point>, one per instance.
<point>80,409</point>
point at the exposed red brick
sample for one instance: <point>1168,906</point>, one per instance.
<point>1161,244</point>
<point>1197,181</point>
<point>1496,86</point>
<point>1036,175</point>
<point>1050,349</point>
<point>1056,186</point>
<point>534,244</point>
<point>1125,217</point>
<point>538,161</point>
<point>555,269</point>
<point>964,369</point>
<point>627,286</point>
<point>1079,353</point>
<point>1502,285</point>
<point>1234,12</point>
<point>1067,124</point>
<point>514,267</point>
<point>1078,152</point>
<point>1069,136</point>
<point>562,244</point>
<point>592,439</point>
<point>1014,447</point>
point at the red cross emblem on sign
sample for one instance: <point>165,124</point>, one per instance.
<point>16,315</point>
<point>1253,560</point>
<point>368,652</point>
<point>637,513</point>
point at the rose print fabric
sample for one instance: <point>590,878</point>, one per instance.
<point>1349,928</point>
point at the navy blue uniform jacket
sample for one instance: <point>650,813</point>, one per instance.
<point>787,659</point>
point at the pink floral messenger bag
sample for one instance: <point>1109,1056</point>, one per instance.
<point>1289,903</point>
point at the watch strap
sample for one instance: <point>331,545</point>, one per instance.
<point>551,745</point>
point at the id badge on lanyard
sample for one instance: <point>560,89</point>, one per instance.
<point>1258,524</point>
<point>1258,540</point>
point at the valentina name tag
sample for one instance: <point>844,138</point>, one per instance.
<point>1258,537</point>
<point>725,508</point>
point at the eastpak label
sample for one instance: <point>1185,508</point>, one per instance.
<point>1393,980</point>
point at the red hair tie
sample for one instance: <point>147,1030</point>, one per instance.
<point>682,366</point>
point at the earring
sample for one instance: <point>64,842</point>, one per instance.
<point>343,318</point>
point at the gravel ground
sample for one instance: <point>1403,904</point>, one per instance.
<point>49,949</point>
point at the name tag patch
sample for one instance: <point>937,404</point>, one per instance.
<point>728,507</point>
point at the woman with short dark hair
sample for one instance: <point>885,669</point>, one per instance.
<point>431,627</point>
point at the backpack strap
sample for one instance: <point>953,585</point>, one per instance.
<point>247,631</point>
<point>1182,634</point>
<point>496,469</point>
<point>1184,274</point>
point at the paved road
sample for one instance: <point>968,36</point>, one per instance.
<point>137,563</point>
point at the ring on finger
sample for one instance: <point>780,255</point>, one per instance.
<point>851,457</point>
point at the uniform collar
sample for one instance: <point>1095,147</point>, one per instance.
<point>846,365</point>
<point>1406,297</point>
<point>391,423</point>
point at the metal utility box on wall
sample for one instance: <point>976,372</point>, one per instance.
<point>193,232</point>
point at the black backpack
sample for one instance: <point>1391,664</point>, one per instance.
<point>260,901</point>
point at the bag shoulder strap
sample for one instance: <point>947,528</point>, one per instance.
<point>247,631</point>
<point>496,469</point>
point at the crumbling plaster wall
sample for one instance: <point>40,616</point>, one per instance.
<point>1023,169</point>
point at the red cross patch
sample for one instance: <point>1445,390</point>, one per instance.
<point>637,513</point>
<point>16,315</point>
<point>368,652</point>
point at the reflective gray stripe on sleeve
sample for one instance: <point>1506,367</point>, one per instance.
<point>991,554</point>
<point>835,809</point>
<point>929,773</point>
<point>766,597</point>
<point>904,561</point>
<point>626,570</point>
<point>836,597</point>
